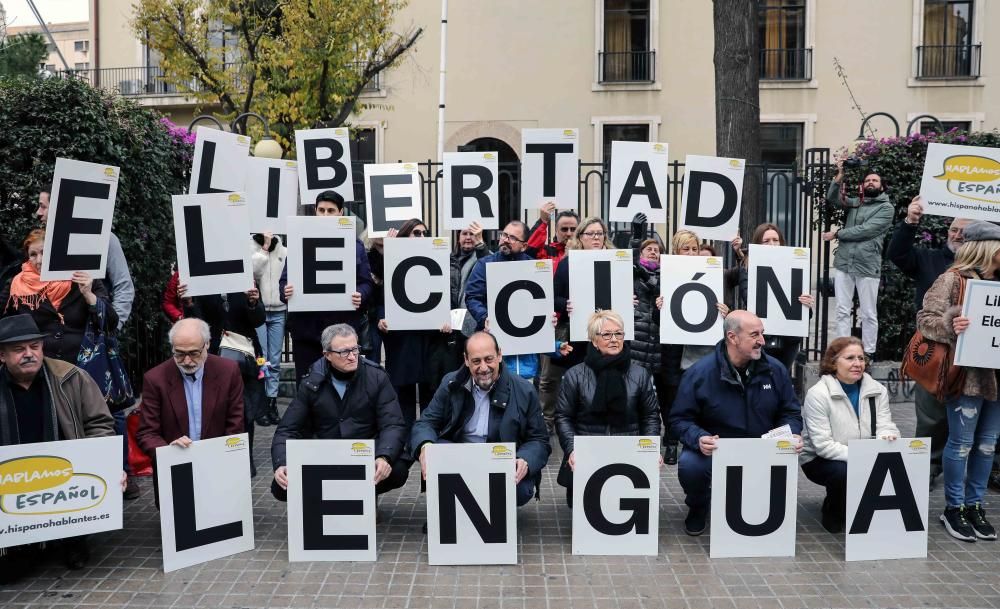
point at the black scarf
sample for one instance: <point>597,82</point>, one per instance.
<point>610,394</point>
<point>343,376</point>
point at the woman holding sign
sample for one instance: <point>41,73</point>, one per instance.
<point>607,395</point>
<point>782,348</point>
<point>844,404</point>
<point>973,416</point>
<point>416,360</point>
<point>61,309</point>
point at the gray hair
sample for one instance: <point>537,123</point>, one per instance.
<point>731,324</point>
<point>203,329</point>
<point>332,332</point>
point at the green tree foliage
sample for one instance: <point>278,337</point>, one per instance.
<point>21,55</point>
<point>300,63</point>
<point>900,163</point>
<point>42,119</point>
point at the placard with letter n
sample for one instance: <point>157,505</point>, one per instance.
<point>754,492</point>
<point>471,504</point>
<point>600,280</point>
<point>206,506</point>
<point>519,303</point>
<point>331,500</point>
<point>887,498</point>
<point>616,495</point>
<point>78,229</point>
<point>777,276</point>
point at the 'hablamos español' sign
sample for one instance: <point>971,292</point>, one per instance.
<point>962,182</point>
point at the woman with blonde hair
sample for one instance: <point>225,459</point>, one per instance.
<point>607,395</point>
<point>845,404</point>
<point>974,415</point>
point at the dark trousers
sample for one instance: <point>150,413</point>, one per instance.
<point>833,476</point>
<point>305,352</point>
<point>397,478</point>
<point>410,398</point>
<point>122,430</point>
<point>786,351</point>
<point>932,422</point>
<point>694,471</point>
<point>665,392</point>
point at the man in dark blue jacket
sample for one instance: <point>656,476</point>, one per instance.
<point>924,265</point>
<point>736,392</point>
<point>484,402</point>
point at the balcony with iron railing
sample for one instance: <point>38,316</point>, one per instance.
<point>149,81</point>
<point>785,64</point>
<point>948,61</point>
<point>626,67</point>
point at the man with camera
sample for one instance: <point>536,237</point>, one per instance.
<point>858,262</point>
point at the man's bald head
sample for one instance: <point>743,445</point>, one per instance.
<point>744,336</point>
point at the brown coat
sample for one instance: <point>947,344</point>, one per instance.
<point>941,307</point>
<point>164,416</point>
<point>80,407</point>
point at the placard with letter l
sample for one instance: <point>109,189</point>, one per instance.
<point>691,287</point>
<point>754,492</point>
<point>54,490</point>
<point>220,161</point>
<point>979,345</point>
<point>600,280</point>
<point>206,507</point>
<point>322,264</point>
<point>212,233</point>
<point>616,495</point>
<point>417,283</point>
<point>520,304</point>
<point>471,504</point>
<point>78,229</point>
<point>331,500</point>
<point>777,276</point>
<point>887,497</point>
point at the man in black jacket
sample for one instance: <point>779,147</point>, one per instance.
<point>924,265</point>
<point>485,402</point>
<point>345,397</point>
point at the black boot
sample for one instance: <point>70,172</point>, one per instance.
<point>272,411</point>
<point>670,457</point>
<point>263,418</point>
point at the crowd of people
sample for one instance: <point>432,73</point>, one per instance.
<point>454,385</point>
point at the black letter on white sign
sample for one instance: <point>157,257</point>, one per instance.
<point>197,263</point>
<point>790,307</point>
<point>314,507</point>
<point>887,464</point>
<point>186,532</point>
<point>734,502</point>
<point>695,180</point>
<point>399,284</point>
<point>66,224</point>
<point>548,152</point>
<point>310,266</point>
<point>313,163</point>
<point>639,521</point>
<point>648,188</point>
<point>503,309</point>
<point>453,489</point>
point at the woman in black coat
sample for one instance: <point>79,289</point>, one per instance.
<point>607,395</point>
<point>416,360</point>
<point>61,309</point>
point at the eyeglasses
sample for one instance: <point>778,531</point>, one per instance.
<point>593,234</point>
<point>180,356</point>
<point>489,360</point>
<point>345,353</point>
<point>511,238</point>
<point>610,335</point>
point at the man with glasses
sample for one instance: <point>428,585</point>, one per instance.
<point>484,402</point>
<point>512,245</point>
<point>192,396</point>
<point>345,397</point>
<point>738,391</point>
<point>924,265</point>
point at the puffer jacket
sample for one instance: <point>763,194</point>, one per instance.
<point>829,422</point>
<point>575,417</point>
<point>646,348</point>
<point>80,408</point>
<point>462,264</point>
<point>268,263</point>
<point>369,409</point>
<point>859,242</point>
<point>934,321</point>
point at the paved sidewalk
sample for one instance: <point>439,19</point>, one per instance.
<point>126,570</point>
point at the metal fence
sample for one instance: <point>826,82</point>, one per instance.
<point>787,192</point>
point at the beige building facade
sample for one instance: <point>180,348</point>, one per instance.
<point>72,39</point>
<point>643,70</point>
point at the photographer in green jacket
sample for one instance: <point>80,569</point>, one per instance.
<point>858,259</point>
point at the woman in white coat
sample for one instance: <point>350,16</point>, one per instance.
<point>844,404</point>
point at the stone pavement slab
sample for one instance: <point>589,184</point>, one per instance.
<point>126,568</point>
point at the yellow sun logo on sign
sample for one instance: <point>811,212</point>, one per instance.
<point>235,198</point>
<point>109,171</point>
